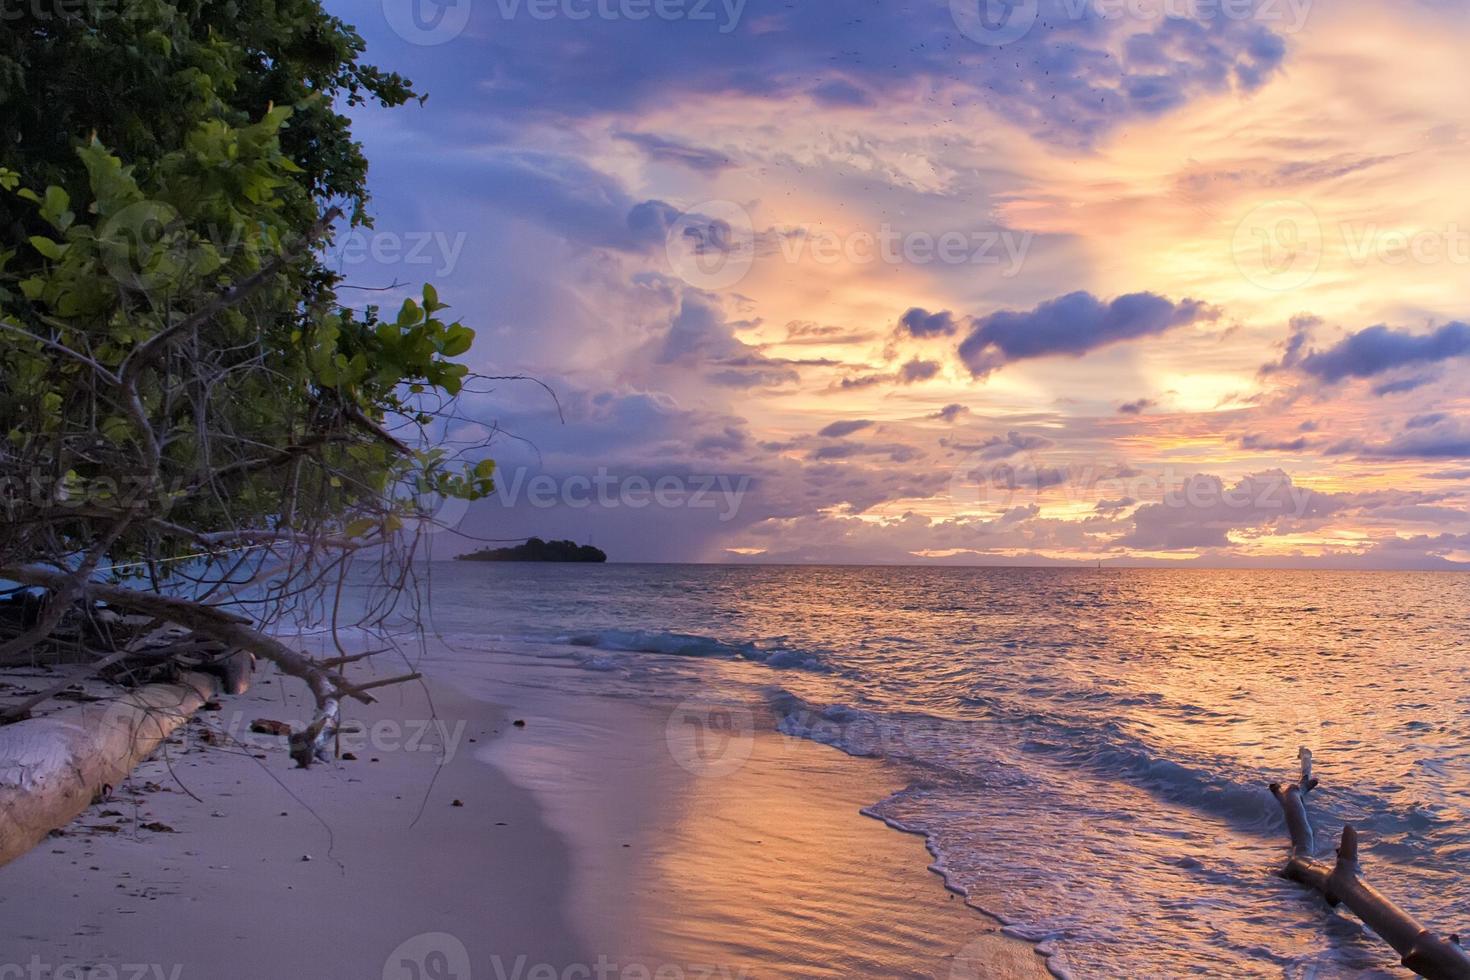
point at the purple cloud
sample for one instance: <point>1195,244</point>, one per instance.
<point>1072,325</point>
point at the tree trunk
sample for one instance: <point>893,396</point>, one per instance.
<point>52,768</point>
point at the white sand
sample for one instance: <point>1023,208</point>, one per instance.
<point>584,851</point>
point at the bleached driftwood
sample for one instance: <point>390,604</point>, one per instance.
<point>52,768</point>
<point>1423,951</point>
<point>327,687</point>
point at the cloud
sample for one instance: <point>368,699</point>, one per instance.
<point>921,324</point>
<point>950,412</point>
<point>1263,443</point>
<point>1372,352</point>
<point>1011,444</point>
<point>701,338</point>
<point>913,372</point>
<point>667,150</point>
<point>579,202</point>
<point>916,370</point>
<point>1203,511</point>
<point>1432,439</point>
<point>1136,407</point>
<point>844,428</point>
<point>1403,385</point>
<point>1075,80</point>
<point>896,452</point>
<point>1072,325</point>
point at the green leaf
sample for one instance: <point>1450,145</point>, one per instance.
<point>359,528</point>
<point>52,250</point>
<point>458,340</point>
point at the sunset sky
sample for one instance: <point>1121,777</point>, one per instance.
<point>1146,281</point>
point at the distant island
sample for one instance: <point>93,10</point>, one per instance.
<point>537,550</point>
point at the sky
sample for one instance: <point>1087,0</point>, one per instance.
<point>1151,282</point>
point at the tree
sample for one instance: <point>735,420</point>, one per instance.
<point>193,427</point>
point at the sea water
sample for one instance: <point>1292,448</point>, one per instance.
<point>1087,751</point>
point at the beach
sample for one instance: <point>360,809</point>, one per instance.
<point>587,842</point>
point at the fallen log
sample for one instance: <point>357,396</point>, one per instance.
<point>234,632</point>
<point>1422,951</point>
<point>52,768</point>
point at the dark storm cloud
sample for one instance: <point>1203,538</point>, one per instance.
<point>1072,325</point>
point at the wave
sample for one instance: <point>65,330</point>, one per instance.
<point>670,644</point>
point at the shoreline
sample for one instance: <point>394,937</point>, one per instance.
<point>751,849</point>
<point>589,842</point>
<point>277,871</point>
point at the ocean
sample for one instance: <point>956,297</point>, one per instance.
<point>1086,751</point>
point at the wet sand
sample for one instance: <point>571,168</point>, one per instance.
<point>602,839</point>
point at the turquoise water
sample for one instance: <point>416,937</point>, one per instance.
<point>1087,751</point>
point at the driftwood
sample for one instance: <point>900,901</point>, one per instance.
<point>328,687</point>
<point>53,768</point>
<point>1423,951</point>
